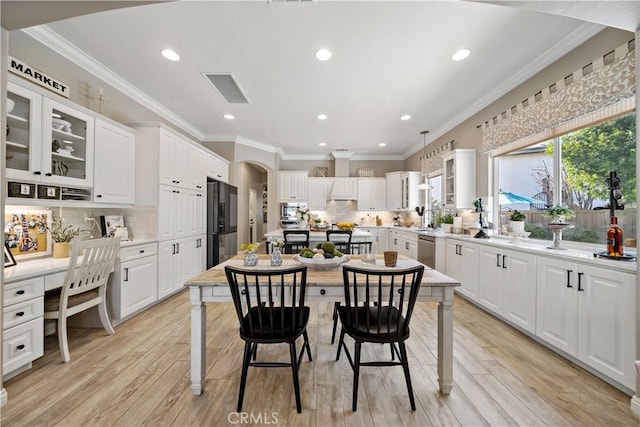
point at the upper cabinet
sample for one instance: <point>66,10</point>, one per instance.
<point>343,188</point>
<point>402,194</point>
<point>293,186</point>
<point>459,187</point>
<point>217,168</point>
<point>173,159</point>
<point>48,141</point>
<point>372,194</point>
<point>115,164</point>
<point>318,194</point>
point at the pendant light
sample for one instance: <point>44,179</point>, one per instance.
<point>424,185</point>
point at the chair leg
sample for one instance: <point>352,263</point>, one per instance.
<point>407,374</point>
<point>104,318</point>
<point>62,339</point>
<point>243,377</point>
<point>335,321</point>
<point>356,375</point>
<point>340,343</point>
<point>254,351</point>
<point>294,370</point>
<point>306,344</point>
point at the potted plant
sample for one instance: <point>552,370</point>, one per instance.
<point>559,215</point>
<point>62,237</point>
<point>446,222</point>
<point>516,221</point>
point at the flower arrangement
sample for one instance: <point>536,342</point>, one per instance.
<point>559,214</point>
<point>303,214</point>
<point>277,243</point>
<point>61,234</point>
<point>249,247</point>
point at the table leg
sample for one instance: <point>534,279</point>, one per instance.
<point>198,339</point>
<point>445,341</point>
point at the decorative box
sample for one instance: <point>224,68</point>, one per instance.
<point>48,192</point>
<point>365,172</point>
<point>22,190</point>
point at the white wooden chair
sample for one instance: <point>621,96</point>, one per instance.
<point>85,286</point>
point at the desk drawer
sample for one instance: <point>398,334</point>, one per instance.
<point>22,344</point>
<point>54,281</point>
<point>22,312</point>
<point>325,291</point>
<point>23,290</point>
<point>139,251</point>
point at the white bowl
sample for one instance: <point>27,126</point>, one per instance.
<point>61,125</point>
<point>322,264</point>
<point>10,105</point>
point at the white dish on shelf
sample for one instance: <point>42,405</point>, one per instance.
<point>322,264</point>
<point>61,125</point>
<point>10,104</point>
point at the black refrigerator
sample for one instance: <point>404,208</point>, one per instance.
<point>222,222</point>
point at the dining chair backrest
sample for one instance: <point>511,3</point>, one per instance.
<point>91,262</point>
<point>381,301</point>
<point>269,303</point>
<point>295,240</point>
<point>341,239</point>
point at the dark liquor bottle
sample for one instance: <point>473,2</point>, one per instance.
<point>614,239</point>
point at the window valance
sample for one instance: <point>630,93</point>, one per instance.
<point>601,90</point>
<point>432,161</point>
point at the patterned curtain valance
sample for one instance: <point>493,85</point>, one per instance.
<point>600,90</point>
<point>432,161</point>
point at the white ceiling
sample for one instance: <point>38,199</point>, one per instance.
<point>389,59</point>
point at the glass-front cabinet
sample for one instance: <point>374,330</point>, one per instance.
<point>48,141</point>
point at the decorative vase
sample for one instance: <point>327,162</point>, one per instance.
<point>276,256</point>
<point>250,259</point>
<point>517,226</point>
<point>558,219</point>
<point>61,249</point>
<point>446,228</point>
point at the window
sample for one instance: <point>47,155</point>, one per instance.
<point>572,171</point>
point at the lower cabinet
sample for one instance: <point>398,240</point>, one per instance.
<point>179,260</point>
<point>461,263</point>
<point>380,237</point>
<point>133,284</point>
<point>589,313</point>
<point>404,242</point>
<point>507,285</point>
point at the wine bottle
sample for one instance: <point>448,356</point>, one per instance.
<point>614,239</point>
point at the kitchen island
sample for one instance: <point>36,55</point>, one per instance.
<point>316,237</point>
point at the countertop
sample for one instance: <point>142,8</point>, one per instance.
<point>319,235</point>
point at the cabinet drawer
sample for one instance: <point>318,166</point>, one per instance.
<point>22,344</point>
<point>224,291</point>
<point>139,251</point>
<point>22,312</point>
<point>325,291</point>
<point>54,281</point>
<point>23,290</point>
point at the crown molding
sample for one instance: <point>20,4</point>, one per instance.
<point>575,38</point>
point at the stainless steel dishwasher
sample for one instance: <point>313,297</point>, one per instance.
<point>427,250</point>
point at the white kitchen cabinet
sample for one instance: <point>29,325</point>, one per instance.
<point>343,188</point>
<point>293,186</point>
<point>196,166</point>
<point>380,237</point>
<point>23,325</point>
<point>217,168</point>
<point>404,242</point>
<point>372,194</point>
<point>133,285</point>
<point>115,164</point>
<point>172,213</point>
<point>461,263</point>
<point>394,195</point>
<point>588,312</point>
<point>178,261</point>
<point>173,159</point>
<point>409,192</point>
<point>459,181</point>
<point>317,194</point>
<point>507,285</point>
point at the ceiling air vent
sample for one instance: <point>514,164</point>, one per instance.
<point>227,87</point>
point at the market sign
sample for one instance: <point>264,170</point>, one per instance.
<point>25,71</point>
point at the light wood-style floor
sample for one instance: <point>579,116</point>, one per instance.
<point>140,376</point>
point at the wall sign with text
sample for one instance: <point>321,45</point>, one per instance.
<point>25,71</point>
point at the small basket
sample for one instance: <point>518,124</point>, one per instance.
<point>365,172</point>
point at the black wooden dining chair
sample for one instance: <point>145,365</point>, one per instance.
<point>378,305</point>
<point>295,240</point>
<point>270,308</point>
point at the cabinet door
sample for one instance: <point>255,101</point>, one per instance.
<point>469,274</point>
<point>200,213</point>
<point>169,268</point>
<point>379,195</point>
<point>317,193</point>
<point>173,159</point>
<point>67,145</point>
<point>519,289</point>
<point>394,195</point>
<point>453,262</point>
<point>556,304</point>
<point>222,168</point>
<point>383,240</point>
<point>490,277</point>
<point>139,284</point>
<point>172,213</point>
<point>24,134</point>
<point>606,322</point>
<point>196,168</point>
<point>114,165</point>
<point>365,192</point>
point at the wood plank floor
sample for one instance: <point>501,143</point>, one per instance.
<point>140,376</point>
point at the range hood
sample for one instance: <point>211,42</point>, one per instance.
<point>342,187</point>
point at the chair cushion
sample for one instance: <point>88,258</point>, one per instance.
<point>278,332</point>
<point>366,326</point>
<point>52,299</point>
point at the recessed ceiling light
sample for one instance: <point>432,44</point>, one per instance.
<point>382,144</point>
<point>229,116</point>
<point>460,54</point>
<point>170,55</point>
<point>322,144</point>
<point>405,117</point>
<point>322,117</point>
<point>323,54</point>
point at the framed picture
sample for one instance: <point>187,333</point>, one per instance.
<point>9,260</point>
<point>109,223</point>
<point>25,232</point>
